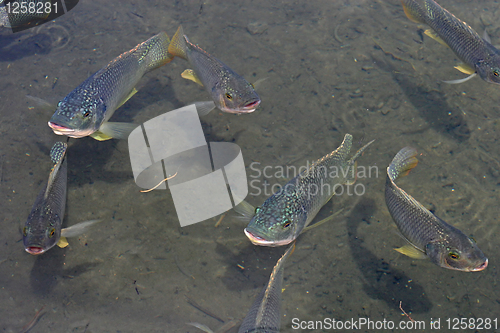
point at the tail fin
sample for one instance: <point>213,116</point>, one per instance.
<point>403,162</point>
<point>57,154</point>
<point>413,11</point>
<point>178,47</point>
<point>351,175</point>
<point>154,51</point>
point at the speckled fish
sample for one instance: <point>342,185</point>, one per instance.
<point>230,92</point>
<point>478,55</point>
<point>428,235</point>
<point>284,215</point>
<point>87,109</point>
<point>265,314</point>
<point>12,16</point>
<point>43,228</point>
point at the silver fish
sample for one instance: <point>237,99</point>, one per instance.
<point>265,314</point>
<point>428,235</point>
<point>43,229</point>
<point>87,109</point>
<point>230,92</point>
<point>284,215</point>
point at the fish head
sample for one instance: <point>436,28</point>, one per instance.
<point>458,253</point>
<point>276,223</point>
<point>78,115</point>
<point>233,94</point>
<point>42,233</point>
<point>489,68</point>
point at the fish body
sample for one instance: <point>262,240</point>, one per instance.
<point>284,215</point>
<point>86,110</point>
<point>265,314</point>
<point>230,92</point>
<point>478,55</point>
<point>24,13</point>
<point>428,235</point>
<point>43,228</point>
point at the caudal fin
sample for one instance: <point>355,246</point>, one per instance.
<point>178,47</point>
<point>413,11</point>
<point>403,162</point>
<point>154,51</point>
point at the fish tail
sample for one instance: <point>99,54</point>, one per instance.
<point>403,162</point>
<point>154,51</point>
<point>178,47</point>
<point>352,163</point>
<point>57,151</point>
<point>414,11</point>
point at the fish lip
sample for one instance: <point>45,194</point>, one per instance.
<point>60,129</point>
<point>481,267</point>
<point>249,108</point>
<point>258,240</point>
<point>34,250</point>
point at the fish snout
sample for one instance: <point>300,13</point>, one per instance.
<point>35,250</point>
<point>59,128</point>
<point>250,107</point>
<point>481,267</point>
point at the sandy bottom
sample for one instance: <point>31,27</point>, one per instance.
<point>332,67</point>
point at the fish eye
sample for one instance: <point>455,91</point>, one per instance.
<point>25,231</point>
<point>52,232</point>
<point>257,210</point>
<point>453,255</point>
<point>228,96</point>
<point>496,73</point>
<point>86,114</point>
<point>287,224</point>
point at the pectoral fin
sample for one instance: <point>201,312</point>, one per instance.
<point>189,74</point>
<point>204,108</point>
<point>77,229</point>
<point>112,130</point>
<point>411,251</point>
<point>317,224</point>
<point>432,34</point>
<point>460,80</point>
<point>63,242</point>
<point>246,210</point>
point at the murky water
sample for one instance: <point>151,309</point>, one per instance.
<point>332,67</point>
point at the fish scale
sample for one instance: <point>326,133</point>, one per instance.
<point>284,215</point>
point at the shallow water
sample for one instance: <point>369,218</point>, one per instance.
<point>332,67</point>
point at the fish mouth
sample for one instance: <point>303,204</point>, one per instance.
<point>35,250</point>
<point>480,267</point>
<point>64,130</point>
<point>248,108</point>
<point>259,240</point>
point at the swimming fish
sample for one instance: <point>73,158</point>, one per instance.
<point>478,55</point>
<point>43,228</point>
<point>284,215</point>
<point>87,109</point>
<point>428,235</point>
<point>230,92</point>
<point>265,314</point>
<point>19,14</point>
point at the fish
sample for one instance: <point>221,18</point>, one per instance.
<point>20,14</point>
<point>428,236</point>
<point>86,110</point>
<point>43,228</point>
<point>478,55</point>
<point>230,92</point>
<point>265,314</point>
<point>287,212</point>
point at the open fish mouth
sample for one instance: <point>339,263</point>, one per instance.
<point>480,267</point>
<point>35,250</point>
<point>60,129</point>
<point>248,108</point>
<point>259,240</point>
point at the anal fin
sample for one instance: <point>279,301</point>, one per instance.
<point>189,74</point>
<point>411,251</point>
<point>432,34</point>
